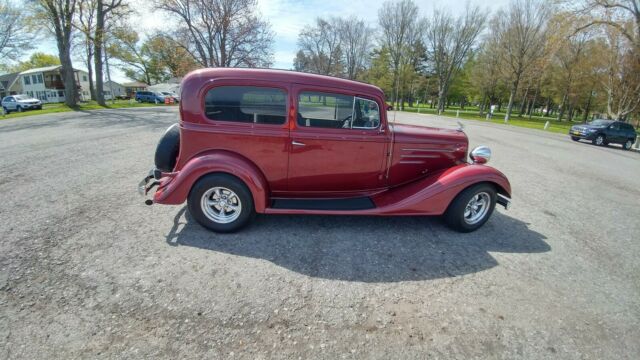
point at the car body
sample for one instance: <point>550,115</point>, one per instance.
<point>20,103</point>
<point>603,132</point>
<point>291,143</point>
<point>150,96</point>
<point>173,95</point>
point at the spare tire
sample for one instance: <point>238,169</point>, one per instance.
<point>168,149</point>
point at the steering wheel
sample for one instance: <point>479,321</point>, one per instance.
<point>346,124</point>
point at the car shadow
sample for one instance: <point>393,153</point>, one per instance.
<point>365,248</point>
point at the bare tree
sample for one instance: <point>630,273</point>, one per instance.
<point>622,15</point>
<point>14,36</point>
<point>356,45</point>
<point>399,24</point>
<point>85,23</point>
<point>59,16</point>
<point>320,49</point>
<point>521,36</point>
<point>104,9</point>
<point>222,33</point>
<point>449,41</point>
<point>622,82</point>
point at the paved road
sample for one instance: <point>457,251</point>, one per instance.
<point>88,271</point>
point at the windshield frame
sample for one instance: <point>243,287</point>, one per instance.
<point>601,122</point>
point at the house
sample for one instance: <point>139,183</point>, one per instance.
<point>118,90</point>
<point>47,85</point>
<point>168,87</point>
<point>9,85</point>
<point>132,87</point>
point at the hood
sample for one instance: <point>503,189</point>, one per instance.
<point>419,151</point>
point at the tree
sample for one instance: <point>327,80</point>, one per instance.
<point>58,16</point>
<point>379,73</point>
<point>85,23</point>
<point>222,33</point>
<point>137,62</point>
<point>320,49</point>
<point>173,60</point>
<point>103,9</point>
<point>609,14</point>
<point>622,80</point>
<point>15,38</point>
<point>450,41</point>
<point>356,44</point>
<point>520,37</point>
<point>36,60</point>
<point>400,27</point>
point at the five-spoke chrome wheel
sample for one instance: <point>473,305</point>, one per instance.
<point>477,208</point>
<point>221,205</point>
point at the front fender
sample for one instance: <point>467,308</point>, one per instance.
<point>175,187</point>
<point>433,194</point>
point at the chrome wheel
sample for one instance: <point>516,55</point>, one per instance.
<point>477,208</point>
<point>599,140</point>
<point>628,144</point>
<point>221,205</point>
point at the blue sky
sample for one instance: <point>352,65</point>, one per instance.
<point>288,17</point>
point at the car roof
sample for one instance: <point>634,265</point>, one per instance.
<point>280,76</point>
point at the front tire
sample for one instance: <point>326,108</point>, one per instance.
<point>221,203</point>
<point>575,138</point>
<point>20,109</point>
<point>599,140</point>
<point>471,208</point>
<point>6,111</point>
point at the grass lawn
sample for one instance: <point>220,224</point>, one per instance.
<point>91,105</point>
<point>471,113</point>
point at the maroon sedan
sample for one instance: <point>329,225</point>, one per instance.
<point>280,142</point>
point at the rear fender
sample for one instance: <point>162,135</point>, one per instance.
<point>175,187</point>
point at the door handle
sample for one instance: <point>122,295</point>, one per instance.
<point>296,143</point>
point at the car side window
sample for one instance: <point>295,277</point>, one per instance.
<point>326,110</point>
<point>615,126</point>
<point>247,104</point>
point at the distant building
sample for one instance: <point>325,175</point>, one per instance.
<point>119,90</point>
<point>47,85</point>
<point>9,85</point>
<point>131,88</point>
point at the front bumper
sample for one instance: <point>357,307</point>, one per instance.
<point>31,106</point>
<point>582,134</point>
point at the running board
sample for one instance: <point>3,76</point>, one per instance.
<point>360,203</point>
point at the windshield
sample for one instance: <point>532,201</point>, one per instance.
<point>600,122</point>
<point>165,93</point>
<point>22,97</point>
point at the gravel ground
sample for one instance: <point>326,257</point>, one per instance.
<point>88,271</point>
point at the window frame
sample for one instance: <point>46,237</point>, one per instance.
<point>336,92</point>
<point>246,83</point>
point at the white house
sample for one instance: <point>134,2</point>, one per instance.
<point>112,86</point>
<point>46,84</point>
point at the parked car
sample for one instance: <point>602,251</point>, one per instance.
<point>150,96</point>
<point>20,103</point>
<point>281,142</point>
<point>175,96</point>
<point>604,132</point>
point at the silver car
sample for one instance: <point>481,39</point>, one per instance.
<point>20,103</point>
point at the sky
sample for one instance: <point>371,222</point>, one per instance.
<point>288,17</point>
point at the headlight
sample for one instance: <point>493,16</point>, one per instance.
<point>480,154</point>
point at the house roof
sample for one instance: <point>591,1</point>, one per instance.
<point>135,84</point>
<point>42,69</point>
<point>7,80</point>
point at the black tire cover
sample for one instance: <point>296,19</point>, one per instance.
<point>168,149</point>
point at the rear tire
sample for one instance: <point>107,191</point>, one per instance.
<point>471,208</point>
<point>627,145</point>
<point>221,203</point>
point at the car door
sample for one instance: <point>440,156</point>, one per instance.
<point>335,146</point>
<point>614,133</point>
<point>11,103</point>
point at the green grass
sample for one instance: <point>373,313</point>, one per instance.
<point>91,105</point>
<point>471,113</point>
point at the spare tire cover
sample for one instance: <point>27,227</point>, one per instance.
<point>168,149</point>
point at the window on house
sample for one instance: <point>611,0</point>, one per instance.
<point>27,80</point>
<point>249,104</point>
<point>40,79</point>
<point>84,78</point>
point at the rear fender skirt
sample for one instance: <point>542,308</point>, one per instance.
<point>177,189</point>
<point>432,195</point>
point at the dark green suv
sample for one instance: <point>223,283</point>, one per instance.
<point>604,132</point>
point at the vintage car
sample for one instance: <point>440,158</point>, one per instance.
<point>282,142</point>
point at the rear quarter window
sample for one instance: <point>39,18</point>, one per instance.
<point>246,104</point>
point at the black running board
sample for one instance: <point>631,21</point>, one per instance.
<point>360,203</point>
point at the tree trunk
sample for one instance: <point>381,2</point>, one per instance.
<point>512,96</point>
<point>524,101</point>
<point>533,103</point>
<point>68,76</point>
<point>561,107</point>
<point>97,52</point>
<point>482,105</point>
<point>92,90</point>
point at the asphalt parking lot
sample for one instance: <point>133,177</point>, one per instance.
<point>88,271</point>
